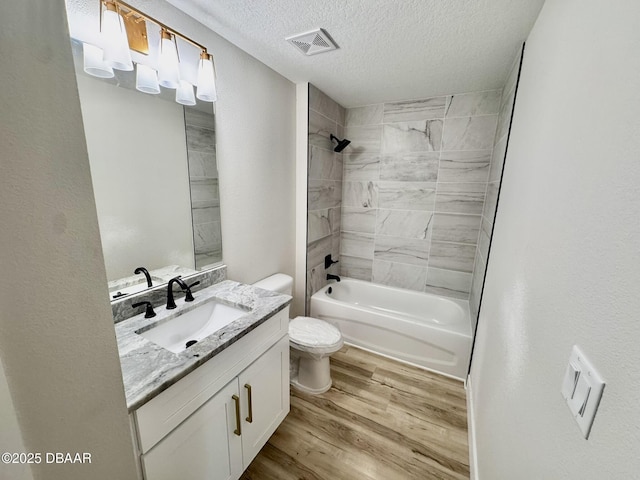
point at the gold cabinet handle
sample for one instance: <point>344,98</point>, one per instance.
<point>238,430</point>
<point>250,417</point>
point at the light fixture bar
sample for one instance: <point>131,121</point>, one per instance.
<point>153,20</point>
<point>168,71</point>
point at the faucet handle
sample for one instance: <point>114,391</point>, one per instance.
<point>328,261</point>
<point>149,313</point>
<point>189,296</point>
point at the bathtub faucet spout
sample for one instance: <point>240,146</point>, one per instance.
<point>333,277</point>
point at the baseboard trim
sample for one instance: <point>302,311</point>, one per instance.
<point>471,424</point>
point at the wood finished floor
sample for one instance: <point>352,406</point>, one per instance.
<point>381,420</point>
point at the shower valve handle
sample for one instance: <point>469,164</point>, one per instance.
<point>328,261</point>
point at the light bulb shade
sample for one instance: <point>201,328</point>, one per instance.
<point>206,80</point>
<point>94,63</point>
<point>184,94</point>
<point>147,80</point>
<point>169,66</point>
<point>116,45</point>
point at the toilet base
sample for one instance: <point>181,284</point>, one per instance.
<point>310,391</point>
<point>314,374</point>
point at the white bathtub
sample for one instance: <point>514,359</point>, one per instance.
<point>427,330</point>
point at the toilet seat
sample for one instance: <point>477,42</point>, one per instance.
<point>309,334</point>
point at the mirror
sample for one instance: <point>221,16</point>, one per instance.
<point>155,180</point>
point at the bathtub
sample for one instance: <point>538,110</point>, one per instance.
<point>423,329</point>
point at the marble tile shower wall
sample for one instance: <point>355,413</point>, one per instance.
<point>414,187</point>
<point>507,102</point>
<point>203,181</point>
<point>324,188</point>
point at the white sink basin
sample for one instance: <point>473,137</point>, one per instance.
<point>193,325</point>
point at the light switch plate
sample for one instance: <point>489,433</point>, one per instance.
<point>582,389</point>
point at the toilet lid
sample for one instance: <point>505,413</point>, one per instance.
<point>311,332</point>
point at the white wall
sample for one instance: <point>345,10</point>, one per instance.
<point>564,265</point>
<point>10,437</point>
<point>138,155</point>
<point>57,341</point>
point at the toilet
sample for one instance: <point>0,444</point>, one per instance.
<point>312,342</point>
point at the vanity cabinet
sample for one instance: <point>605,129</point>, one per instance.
<point>198,429</point>
<point>265,399</point>
<point>202,447</point>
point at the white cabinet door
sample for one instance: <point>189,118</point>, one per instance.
<point>204,446</point>
<point>268,381</point>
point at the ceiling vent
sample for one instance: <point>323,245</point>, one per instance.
<point>315,41</point>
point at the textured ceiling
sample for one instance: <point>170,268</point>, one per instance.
<point>389,49</point>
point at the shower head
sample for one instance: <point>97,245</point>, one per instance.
<point>341,143</point>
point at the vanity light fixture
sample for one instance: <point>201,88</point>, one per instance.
<point>94,63</point>
<point>184,94</point>
<point>116,45</point>
<point>147,79</point>
<point>206,78</point>
<point>169,67</point>
<point>124,28</point>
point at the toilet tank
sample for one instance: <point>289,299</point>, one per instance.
<point>278,282</point>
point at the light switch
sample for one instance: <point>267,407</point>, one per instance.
<point>578,403</point>
<point>582,389</point>
<point>570,381</point>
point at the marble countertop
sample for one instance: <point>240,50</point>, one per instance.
<point>148,369</point>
